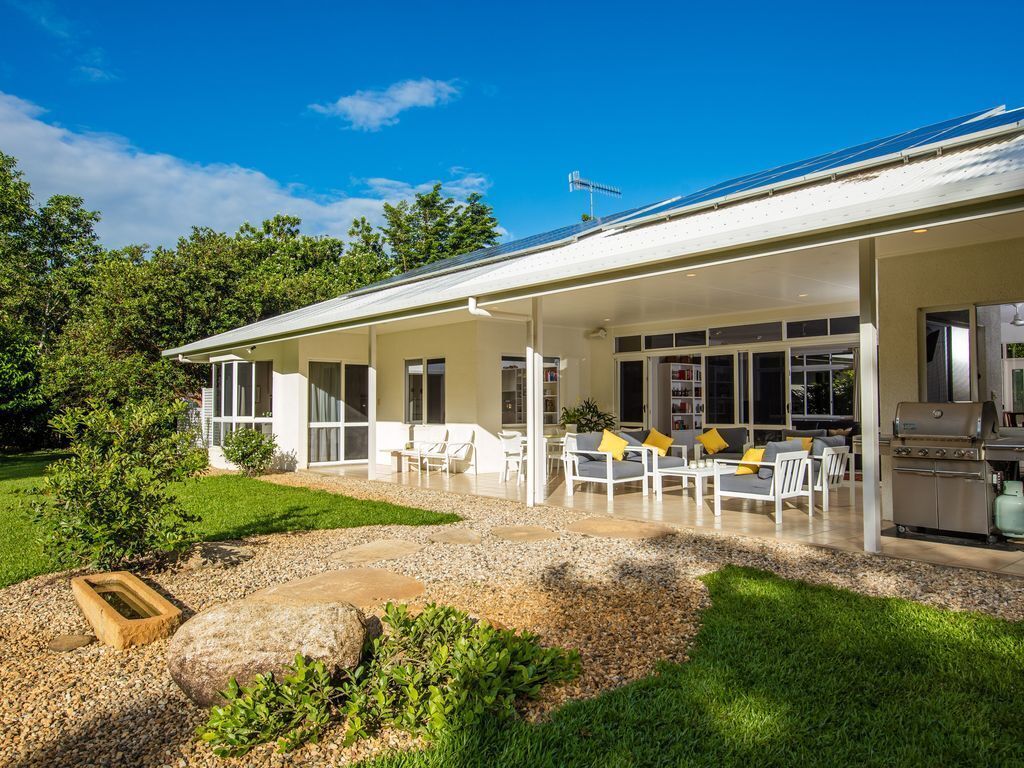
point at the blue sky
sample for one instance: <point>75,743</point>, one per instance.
<point>166,115</point>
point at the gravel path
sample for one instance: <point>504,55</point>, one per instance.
<point>624,603</point>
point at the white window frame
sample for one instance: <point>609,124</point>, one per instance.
<point>231,422</point>
<point>424,393</point>
<point>341,425</point>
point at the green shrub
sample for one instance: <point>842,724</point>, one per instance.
<point>587,417</point>
<point>250,450</point>
<point>430,674</point>
<point>292,712</point>
<point>441,670</point>
<point>108,503</point>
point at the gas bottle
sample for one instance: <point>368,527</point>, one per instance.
<point>1010,509</point>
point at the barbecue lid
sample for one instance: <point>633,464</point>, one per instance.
<point>976,421</point>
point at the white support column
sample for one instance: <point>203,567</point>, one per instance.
<point>536,461</point>
<point>869,401</point>
<point>371,404</point>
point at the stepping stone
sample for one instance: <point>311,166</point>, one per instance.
<point>456,536</point>
<point>523,533</point>
<point>64,643</point>
<point>616,528</point>
<point>380,549</point>
<point>363,587</point>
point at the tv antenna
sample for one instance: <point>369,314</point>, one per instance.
<point>578,183</point>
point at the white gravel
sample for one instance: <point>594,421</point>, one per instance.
<point>98,707</point>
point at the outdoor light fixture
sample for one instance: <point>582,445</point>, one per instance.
<point>802,295</point>
<point>920,231</point>
<point>691,274</point>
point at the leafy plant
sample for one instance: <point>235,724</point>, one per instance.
<point>250,450</point>
<point>587,417</point>
<point>292,712</point>
<point>109,503</point>
<point>431,674</point>
<point>442,670</point>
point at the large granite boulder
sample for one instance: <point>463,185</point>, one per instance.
<point>245,638</point>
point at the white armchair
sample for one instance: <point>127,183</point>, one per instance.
<point>457,448</point>
<point>584,463</point>
<point>785,475</point>
<point>513,455</point>
<point>829,472</point>
<point>426,438</point>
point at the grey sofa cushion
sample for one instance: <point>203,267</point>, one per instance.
<point>821,443</point>
<point>788,433</point>
<point>772,450</point>
<point>635,437</point>
<point>620,469</point>
<point>589,441</point>
<point>670,462</point>
<point>736,437</point>
<point>745,483</point>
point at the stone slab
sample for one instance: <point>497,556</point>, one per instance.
<point>362,587</point>
<point>380,549</point>
<point>523,533</point>
<point>617,528</point>
<point>70,642</point>
<point>456,536</point>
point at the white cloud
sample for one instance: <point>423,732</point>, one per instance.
<point>147,197</point>
<point>72,41</point>
<point>372,110</point>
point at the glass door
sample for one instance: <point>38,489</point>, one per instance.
<point>632,393</point>
<point>769,394</point>
<point>339,410</point>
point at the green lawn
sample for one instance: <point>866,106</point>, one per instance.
<point>786,674</point>
<point>229,506</point>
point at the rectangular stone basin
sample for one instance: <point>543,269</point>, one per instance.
<point>123,610</point>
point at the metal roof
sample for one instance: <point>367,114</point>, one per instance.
<point>901,185</point>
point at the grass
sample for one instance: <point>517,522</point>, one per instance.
<point>229,506</point>
<point>787,674</point>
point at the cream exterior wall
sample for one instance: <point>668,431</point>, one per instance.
<point>988,273</point>
<point>472,351</point>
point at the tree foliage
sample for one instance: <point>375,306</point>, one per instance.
<point>81,324</point>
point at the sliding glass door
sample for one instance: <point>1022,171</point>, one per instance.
<point>632,397</point>
<point>338,412</point>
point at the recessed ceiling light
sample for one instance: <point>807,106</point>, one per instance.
<point>802,295</point>
<point>691,274</point>
<point>606,320</point>
<point>920,231</point>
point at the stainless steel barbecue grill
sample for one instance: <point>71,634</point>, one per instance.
<point>940,476</point>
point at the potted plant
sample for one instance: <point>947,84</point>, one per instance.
<point>586,416</point>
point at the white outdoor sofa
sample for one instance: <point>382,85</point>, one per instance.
<point>829,465</point>
<point>456,449</point>
<point>584,463</point>
<point>784,473</point>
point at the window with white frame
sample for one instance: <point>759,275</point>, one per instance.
<point>425,391</point>
<point>513,390</point>
<point>242,397</point>
<point>339,411</point>
<point>822,382</point>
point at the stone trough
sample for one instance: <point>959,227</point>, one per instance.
<point>123,610</point>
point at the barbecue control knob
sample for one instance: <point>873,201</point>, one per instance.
<point>941,452</point>
<point>922,451</point>
<point>958,453</point>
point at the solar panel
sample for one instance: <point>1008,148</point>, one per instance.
<point>830,162</point>
<point>495,252</point>
<point>947,130</point>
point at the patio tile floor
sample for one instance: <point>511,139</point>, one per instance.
<point>840,528</point>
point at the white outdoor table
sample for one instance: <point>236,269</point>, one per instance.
<point>700,476</point>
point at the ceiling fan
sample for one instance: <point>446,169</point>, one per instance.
<point>1017,319</point>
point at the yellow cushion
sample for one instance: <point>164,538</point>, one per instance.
<point>659,441</point>
<point>713,442</point>
<point>808,442</point>
<point>613,444</point>
<point>752,454</point>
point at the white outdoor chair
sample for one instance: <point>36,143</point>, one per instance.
<point>456,449</point>
<point>829,471</point>
<point>426,438</point>
<point>514,455</point>
<point>586,464</point>
<point>790,478</point>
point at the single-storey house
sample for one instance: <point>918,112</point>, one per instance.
<point>818,294</point>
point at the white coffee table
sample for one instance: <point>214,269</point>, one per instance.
<point>699,475</point>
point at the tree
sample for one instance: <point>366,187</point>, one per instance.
<point>475,226</point>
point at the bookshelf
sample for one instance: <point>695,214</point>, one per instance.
<point>681,396</point>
